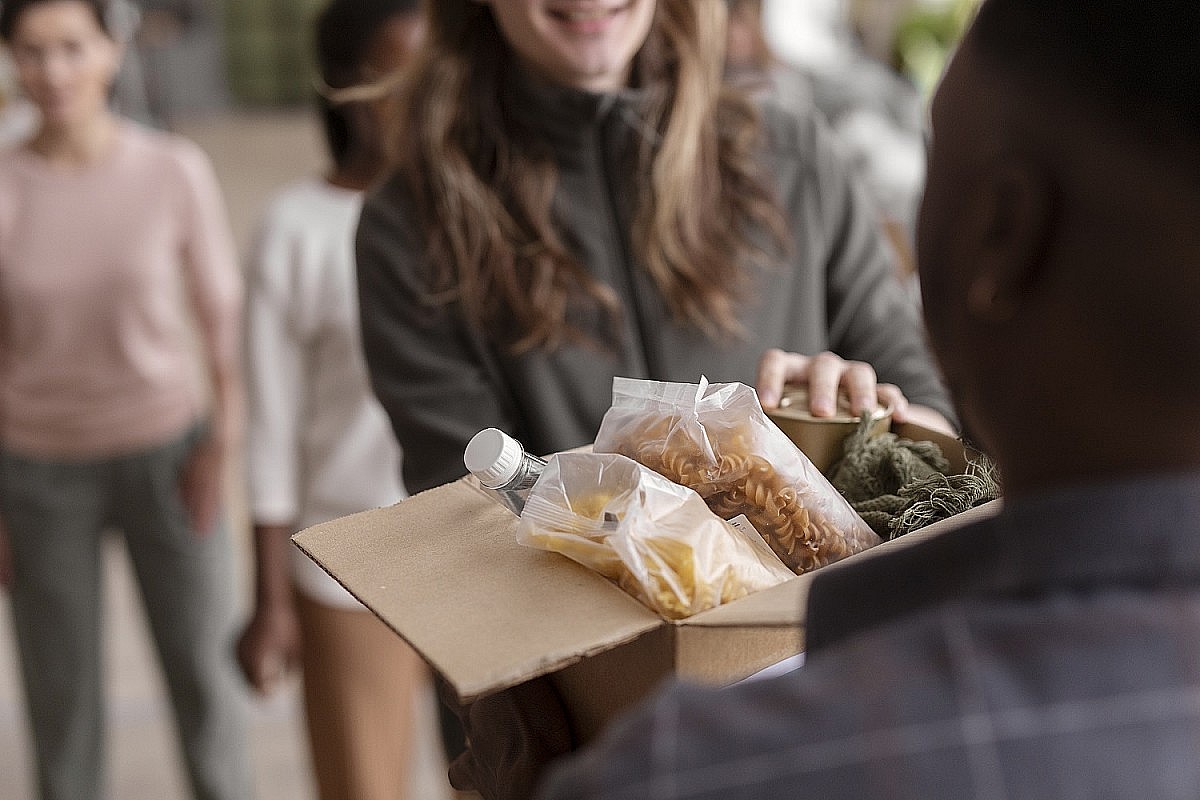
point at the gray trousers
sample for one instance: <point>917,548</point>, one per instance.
<point>55,515</point>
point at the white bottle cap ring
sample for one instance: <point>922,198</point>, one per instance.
<point>492,456</point>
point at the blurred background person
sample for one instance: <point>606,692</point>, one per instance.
<point>179,45</point>
<point>130,97</point>
<point>319,444</point>
<point>18,116</point>
<point>113,238</point>
<point>876,113</point>
<point>913,37</point>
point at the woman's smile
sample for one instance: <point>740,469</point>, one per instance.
<point>586,19</point>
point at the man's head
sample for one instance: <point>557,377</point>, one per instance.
<point>1058,242</point>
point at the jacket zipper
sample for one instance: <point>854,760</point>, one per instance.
<point>622,241</point>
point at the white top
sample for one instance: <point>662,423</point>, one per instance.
<point>319,444</point>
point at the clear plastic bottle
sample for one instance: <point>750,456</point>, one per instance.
<point>502,466</point>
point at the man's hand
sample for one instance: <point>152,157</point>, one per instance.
<point>511,737</point>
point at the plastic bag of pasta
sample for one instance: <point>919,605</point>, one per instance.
<point>655,539</point>
<point>718,440</point>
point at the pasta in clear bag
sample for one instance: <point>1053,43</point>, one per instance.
<point>717,440</point>
<point>655,539</point>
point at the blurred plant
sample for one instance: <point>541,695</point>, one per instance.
<point>926,36</point>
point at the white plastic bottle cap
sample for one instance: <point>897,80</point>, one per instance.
<point>492,456</point>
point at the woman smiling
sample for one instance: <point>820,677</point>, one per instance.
<point>577,195</point>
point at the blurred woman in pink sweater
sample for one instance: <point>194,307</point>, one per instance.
<point>115,251</point>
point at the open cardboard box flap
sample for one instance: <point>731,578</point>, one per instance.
<point>444,570</point>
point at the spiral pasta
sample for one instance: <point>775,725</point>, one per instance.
<point>740,463</point>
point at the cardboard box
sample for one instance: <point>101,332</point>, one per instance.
<point>443,569</point>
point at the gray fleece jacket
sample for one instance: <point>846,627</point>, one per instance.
<point>441,379</point>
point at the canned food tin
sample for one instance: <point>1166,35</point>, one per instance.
<point>820,438</point>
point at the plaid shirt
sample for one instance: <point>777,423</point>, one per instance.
<point>1050,652</point>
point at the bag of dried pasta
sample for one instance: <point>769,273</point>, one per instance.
<point>655,539</point>
<point>717,440</point>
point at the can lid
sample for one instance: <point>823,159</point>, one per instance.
<point>794,406</point>
<point>493,456</point>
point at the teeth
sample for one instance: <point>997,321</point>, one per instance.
<point>585,16</point>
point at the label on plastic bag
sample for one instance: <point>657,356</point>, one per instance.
<point>746,529</point>
<point>744,525</point>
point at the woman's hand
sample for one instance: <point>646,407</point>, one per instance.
<point>269,647</point>
<point>202,482</point>
<point>827,375</point>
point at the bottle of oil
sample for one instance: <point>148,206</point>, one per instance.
<point>502,466</point>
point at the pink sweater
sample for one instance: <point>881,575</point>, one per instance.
<point>105,273</point>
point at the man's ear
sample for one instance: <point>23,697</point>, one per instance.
<point>1012,221</point>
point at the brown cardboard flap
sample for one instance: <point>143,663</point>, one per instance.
<point>483,610</point>
<point>720,656</point>
<point>779,606</point>
<point>597,689</point>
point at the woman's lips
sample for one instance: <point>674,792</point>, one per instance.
<point>586,19</point>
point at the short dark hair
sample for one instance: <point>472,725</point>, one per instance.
<point>344,32</point>
<point>11,11</point>
<point>1137,59</point>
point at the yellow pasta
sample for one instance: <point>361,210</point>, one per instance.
<point>655,539</point>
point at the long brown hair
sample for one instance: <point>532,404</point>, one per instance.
<point>485,190</point>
